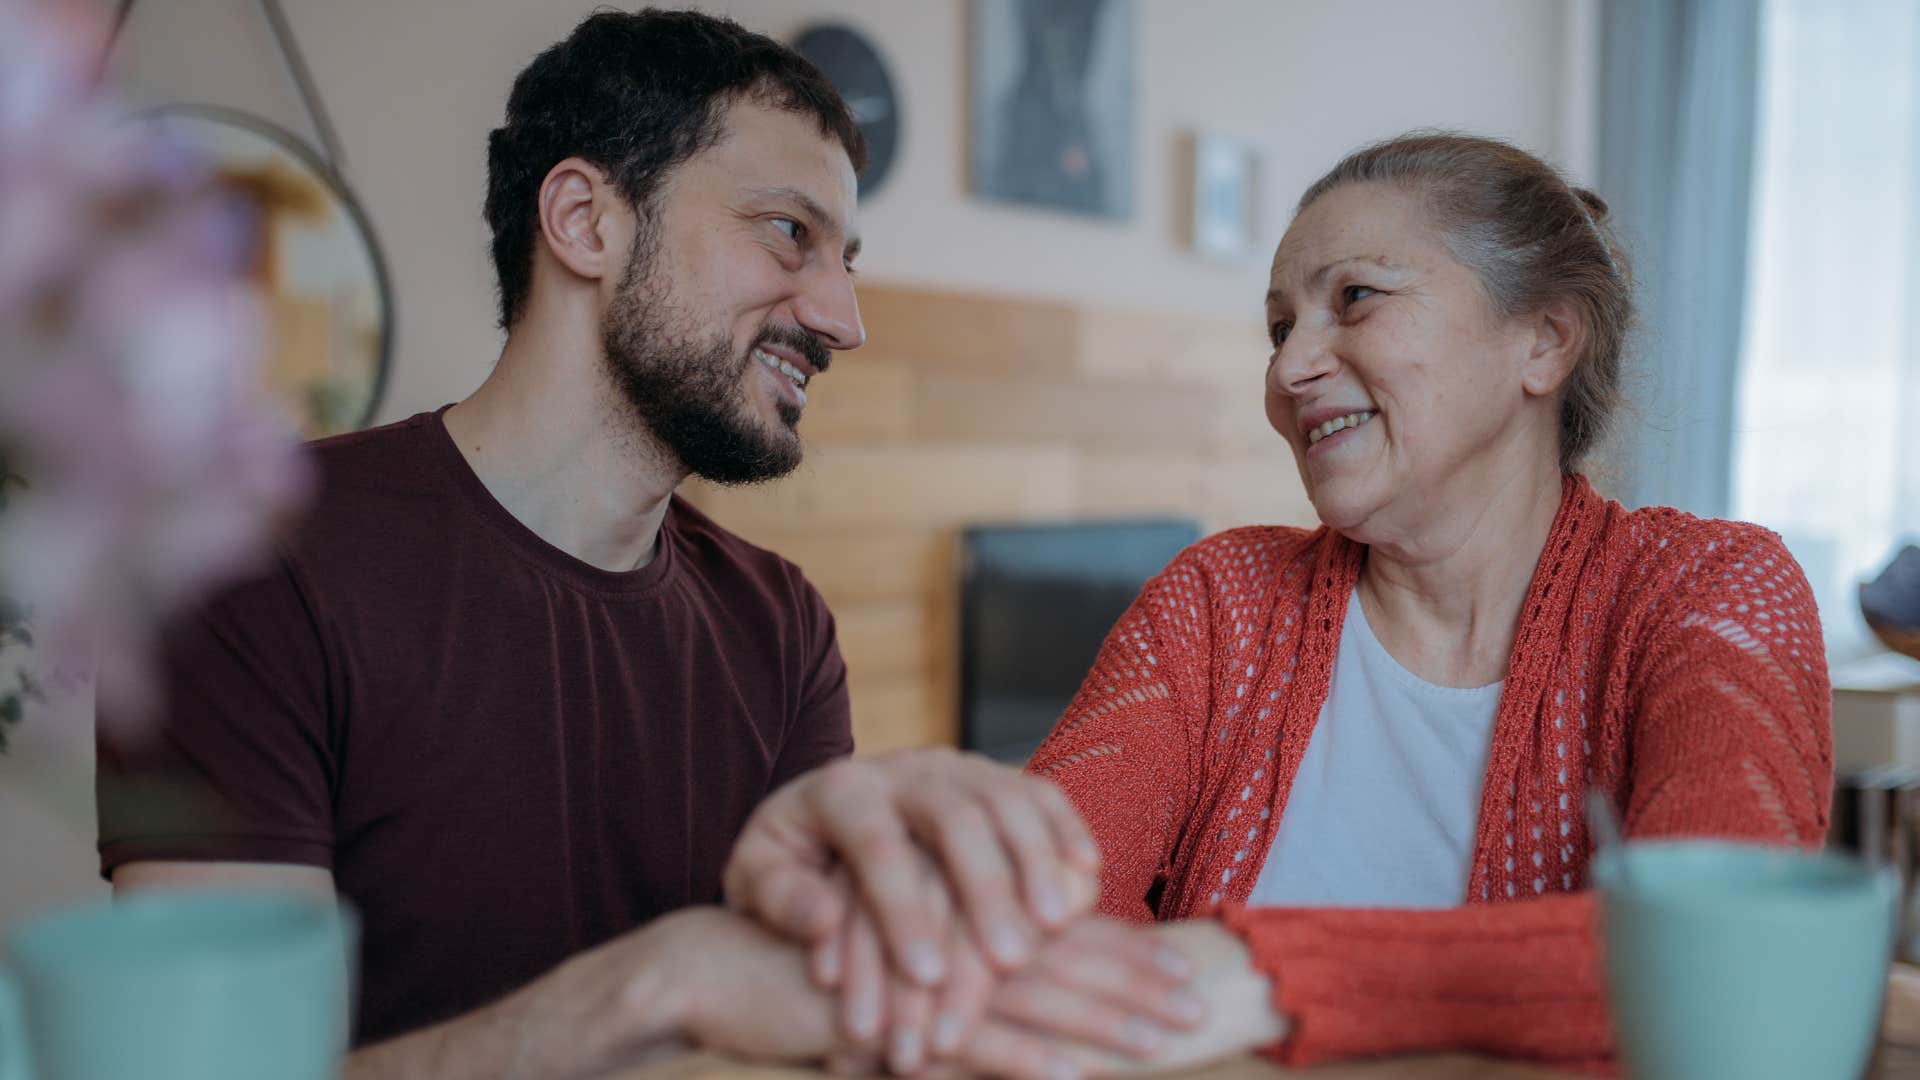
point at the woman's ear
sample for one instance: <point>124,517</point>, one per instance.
<point>1558,335</point>
<point>574,206</point>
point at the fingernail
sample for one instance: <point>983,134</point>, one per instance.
<point>1141,1034</point>
<point>925,963</point>
<point>1009,945</point>
<point>947,1030</point>
<point>1051,904</point>
<point>1172,962</point>
<point>1187,1007</point>
<point>1062,1069</point>
<point>863,1016</point>
<point>906,1050</point>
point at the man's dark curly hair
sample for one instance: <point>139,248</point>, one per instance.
<point>636,94</point>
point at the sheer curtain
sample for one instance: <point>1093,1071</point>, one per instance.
<point>1678,83</point>
<point>1826,440</point>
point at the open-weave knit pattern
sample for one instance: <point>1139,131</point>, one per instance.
<point>1672,662</point>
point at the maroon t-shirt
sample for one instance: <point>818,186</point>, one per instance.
<point>504,755</point>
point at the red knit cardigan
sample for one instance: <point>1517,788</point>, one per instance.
<point>1674,663</point>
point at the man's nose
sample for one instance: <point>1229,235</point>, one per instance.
<point>828,308</point>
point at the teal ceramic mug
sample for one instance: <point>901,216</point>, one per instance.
<point>180,986</point>
<point>1739,961</point>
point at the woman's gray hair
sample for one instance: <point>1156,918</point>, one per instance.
<point>1531,238</point>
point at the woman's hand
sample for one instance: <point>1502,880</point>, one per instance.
<point>1104,984</point>
<point>1101,997</point>
<point>1235,1013</point>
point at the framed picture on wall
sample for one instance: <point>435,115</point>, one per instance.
<point>1226,197</point>
<point>1053,103</point>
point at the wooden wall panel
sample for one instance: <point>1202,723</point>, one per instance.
<point>967,409</point>
<point>897,714</point>
<point>1263,490</point>
<point>1088,414</point>
<point>1239,423</point>
<point>909,485</point>
<point>852,566</point>
<point>888,641</point>
<point>858,400</point>
<point>1145,485</point>
<point>1226,354</point>
<point>963,332</point>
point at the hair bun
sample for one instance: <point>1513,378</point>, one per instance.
<point>1595,205</point>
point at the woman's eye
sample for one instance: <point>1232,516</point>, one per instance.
<point>1353,294</point>
<point>788,226</point>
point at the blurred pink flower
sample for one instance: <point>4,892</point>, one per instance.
<point>129,349</point>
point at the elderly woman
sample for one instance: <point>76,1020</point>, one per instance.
<point>1356,756</point>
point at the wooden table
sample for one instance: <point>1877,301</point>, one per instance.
<point>714,1067</point>
<point>1895,1063</point>
<point>1898,1058</point>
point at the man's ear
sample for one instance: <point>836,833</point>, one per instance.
<point>1558,336</point>
<point>579,213</point>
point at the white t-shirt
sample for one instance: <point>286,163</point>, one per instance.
<point>1384,809</point>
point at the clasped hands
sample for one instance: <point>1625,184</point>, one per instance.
<point>938,912</point>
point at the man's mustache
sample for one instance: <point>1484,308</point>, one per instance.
<point>800,341</point>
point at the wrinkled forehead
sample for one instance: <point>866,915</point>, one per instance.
<point>1372,221</point>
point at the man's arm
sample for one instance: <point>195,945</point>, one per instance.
<point>619,1004</point>
<point>557,1026</point>
<point>701,976</point>
<point>155,874</point>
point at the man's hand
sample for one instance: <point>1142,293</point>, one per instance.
<point>747,990</point>
<point>1011,848</point>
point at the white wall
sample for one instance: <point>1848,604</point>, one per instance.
<point>415,85</point>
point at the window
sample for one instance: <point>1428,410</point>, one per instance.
<point>1827,425</point>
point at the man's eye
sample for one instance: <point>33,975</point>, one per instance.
<point>1353,294</point>
<point>789,226</point>
<point>1278,332</point>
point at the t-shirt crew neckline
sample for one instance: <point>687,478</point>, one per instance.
<point>535,550</point>
<point>1399,672</point>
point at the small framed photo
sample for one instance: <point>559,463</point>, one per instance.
<point>1226,197</point>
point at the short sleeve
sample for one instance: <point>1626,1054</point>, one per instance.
<point>240,764</point>
<point>822,729</point>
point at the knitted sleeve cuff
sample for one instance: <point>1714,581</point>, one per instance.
<point>1514,980</point>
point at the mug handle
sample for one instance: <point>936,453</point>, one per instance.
<point>13,1031</point>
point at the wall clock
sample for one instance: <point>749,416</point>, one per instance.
<point>856,70</point>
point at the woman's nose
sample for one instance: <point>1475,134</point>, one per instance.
<point>1302,358</point>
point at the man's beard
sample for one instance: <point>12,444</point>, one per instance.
<point>687,394</point>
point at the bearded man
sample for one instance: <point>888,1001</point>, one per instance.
<point>515,700</point>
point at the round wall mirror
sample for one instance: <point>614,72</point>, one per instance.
<point>319,268</point>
